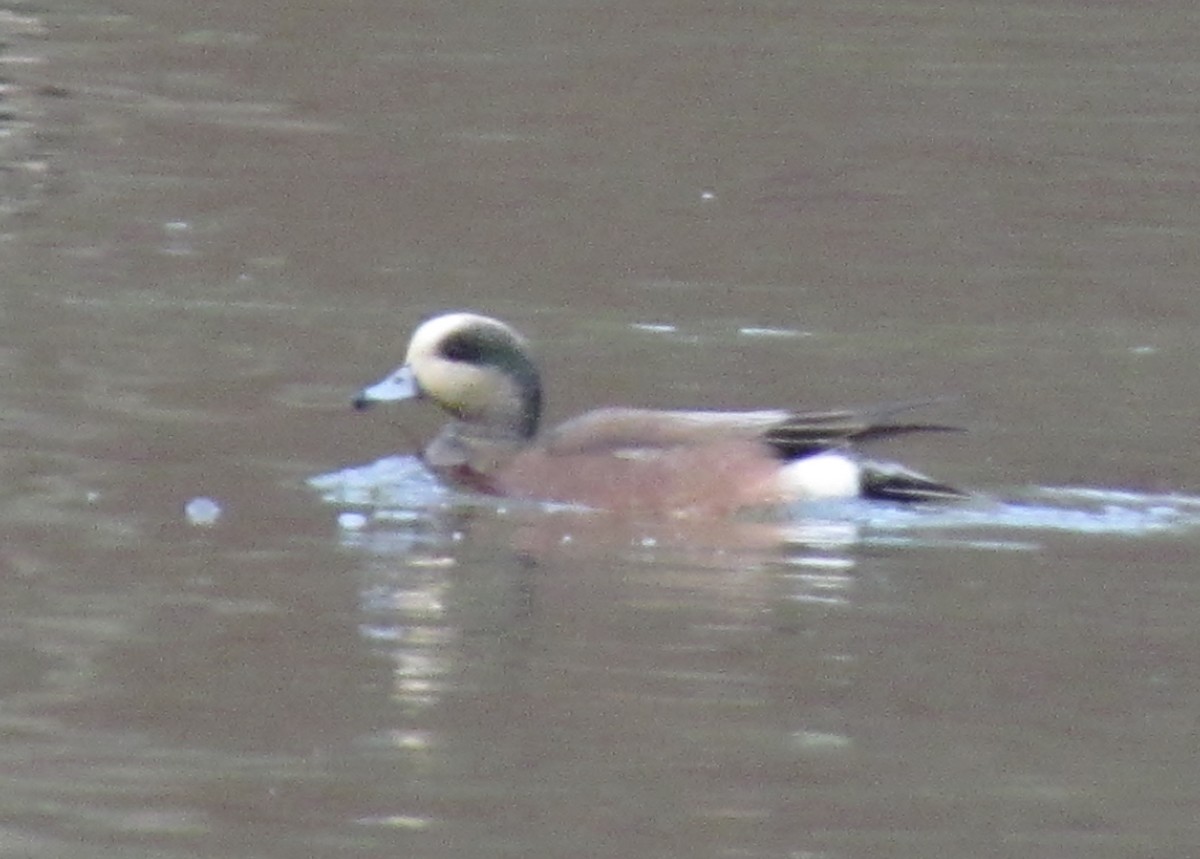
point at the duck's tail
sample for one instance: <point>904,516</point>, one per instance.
<point>888,481</point>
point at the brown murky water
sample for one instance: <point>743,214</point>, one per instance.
<point>220,219</point>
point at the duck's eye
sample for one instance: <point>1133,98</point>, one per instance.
<point>462,347</point>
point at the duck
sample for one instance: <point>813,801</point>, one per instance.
<point>682,463</point>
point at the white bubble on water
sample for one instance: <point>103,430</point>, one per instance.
<point>202,511</point>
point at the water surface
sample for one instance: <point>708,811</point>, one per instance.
<point>220,220</point>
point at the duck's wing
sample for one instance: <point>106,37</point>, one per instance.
<point>790,434</point>
<point>805,433</point>
<point>631,429</point>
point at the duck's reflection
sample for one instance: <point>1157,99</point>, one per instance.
<point>538,662</point>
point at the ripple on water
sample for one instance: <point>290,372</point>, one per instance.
<point>389,493</point>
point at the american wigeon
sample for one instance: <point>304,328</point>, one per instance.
<point>625,459</point>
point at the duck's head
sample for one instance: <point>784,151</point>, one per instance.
<point>474,367</point>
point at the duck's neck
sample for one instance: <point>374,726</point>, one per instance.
<point>516,410</point>
<point>525,394</point>
<point>531,410</point>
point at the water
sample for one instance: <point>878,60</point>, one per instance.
<point>220,221</point>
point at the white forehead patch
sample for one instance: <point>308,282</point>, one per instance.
<point>430,334</point>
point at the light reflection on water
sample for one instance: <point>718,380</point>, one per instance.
<point>390,489</point>
<point>833,615</point>
<point>414,533</point>
<point>232,235</point>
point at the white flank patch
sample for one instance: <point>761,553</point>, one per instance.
<point>826,475</point>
